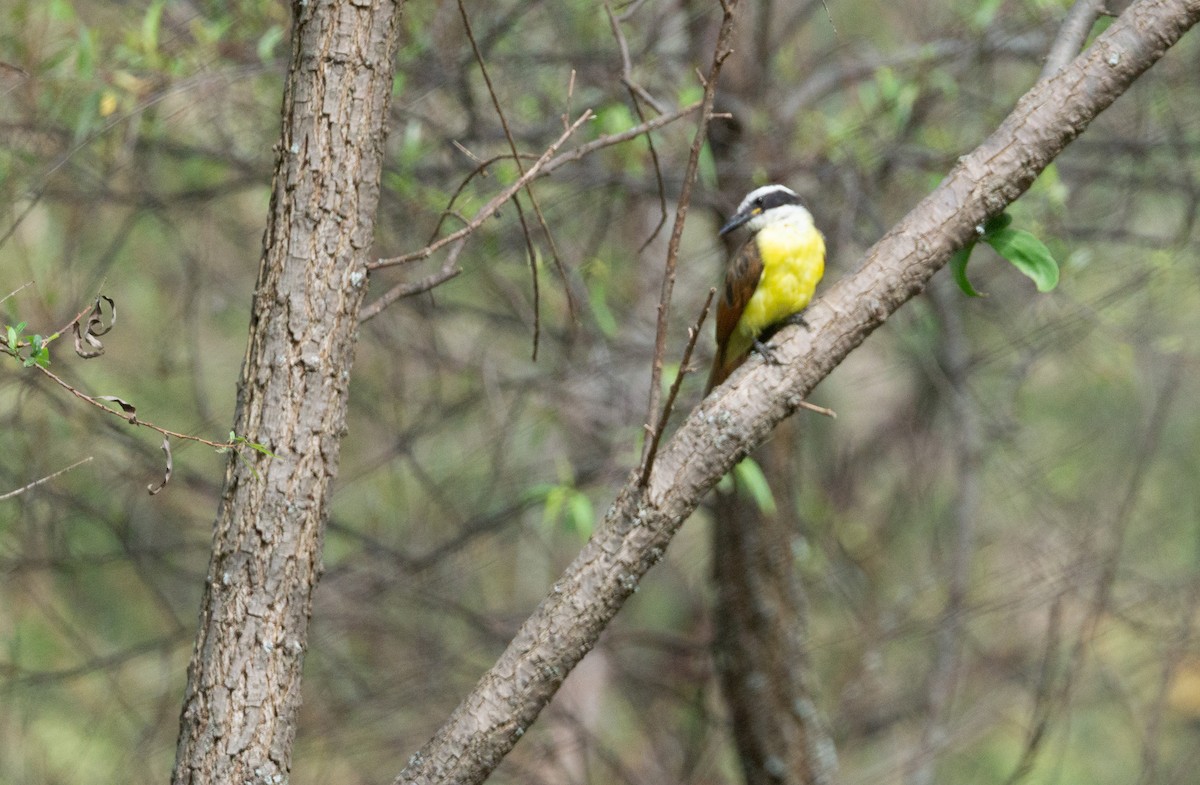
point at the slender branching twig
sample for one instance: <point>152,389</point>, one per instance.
<point>47,478</point>
<point>720,53</point>
<point>460,236</point>
<point>673,393</point>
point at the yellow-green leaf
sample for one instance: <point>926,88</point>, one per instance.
<point>1028,254</point>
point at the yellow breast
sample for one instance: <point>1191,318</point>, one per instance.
<point>793,258</point>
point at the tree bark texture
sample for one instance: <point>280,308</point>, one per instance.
<point>741,414</point>
<point>243,689</point>
<point>761,648</point>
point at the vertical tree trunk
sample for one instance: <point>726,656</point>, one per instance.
<point>243,689</point>
<point>761,648</point>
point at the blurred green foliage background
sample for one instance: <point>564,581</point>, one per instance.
<point>1039,452</point>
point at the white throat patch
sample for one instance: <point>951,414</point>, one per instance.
<point>793,215</point>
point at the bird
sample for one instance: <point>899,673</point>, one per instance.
<point>771,278</point>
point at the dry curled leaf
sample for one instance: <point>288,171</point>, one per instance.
<point>95,327</point>
<point>126,406</point>
<point>166,448</point>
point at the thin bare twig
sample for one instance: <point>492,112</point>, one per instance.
<point>631,10</point>
<point>556,163</point>
<point>636,91</point>
<point>821,410</point>
<point>16,291</point>
<point>490,208</point>
<point>448,270</point>
<point>1100,604</point>
<point>530,250</point>
<point>543,166</point>
<point>128,414</point>
<point>954,359</point>
<point>570,94</point>
<point>460,236</point>
<point>656,436</point>
<point>623,136</point>
<point>537,208</point>
<point>1072,34</point>
<point>47,478</point>
<point>720,53</point>
<point>481,170</point>
<point>1179,645</point>
<point>459,146</point>
<point>176,88</point>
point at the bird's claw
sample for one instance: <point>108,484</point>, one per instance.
<point>768,354</point>
<point>798,320</point>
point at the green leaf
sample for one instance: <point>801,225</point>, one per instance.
<point>598,300</point>
<point>256,446</point>
<point>580,514</point>
<point>151,23</point>
<point>706,167</point>
<point>262,448</point>
<point>888,84</point>
<point>958,266</point>
<point>690,94</point>
<point>670,373</point>
<point>39,352</point>
<point>614,119</point>
<point>984,13</point>
<point>536,492</point>
<point>555,499</point>
<point>749,475</point>
<point>1028,254</point>
<point>996,223</point>
<point>268,43</point>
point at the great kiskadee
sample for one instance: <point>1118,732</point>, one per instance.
<point>770,278</point>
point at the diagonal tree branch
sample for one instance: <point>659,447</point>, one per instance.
<point>742,413</point>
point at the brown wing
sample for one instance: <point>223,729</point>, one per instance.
<point>741,279</point>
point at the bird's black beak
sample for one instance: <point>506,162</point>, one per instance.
<point>738,220</point>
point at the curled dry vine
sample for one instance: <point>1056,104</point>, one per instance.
<point>33,351</point>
